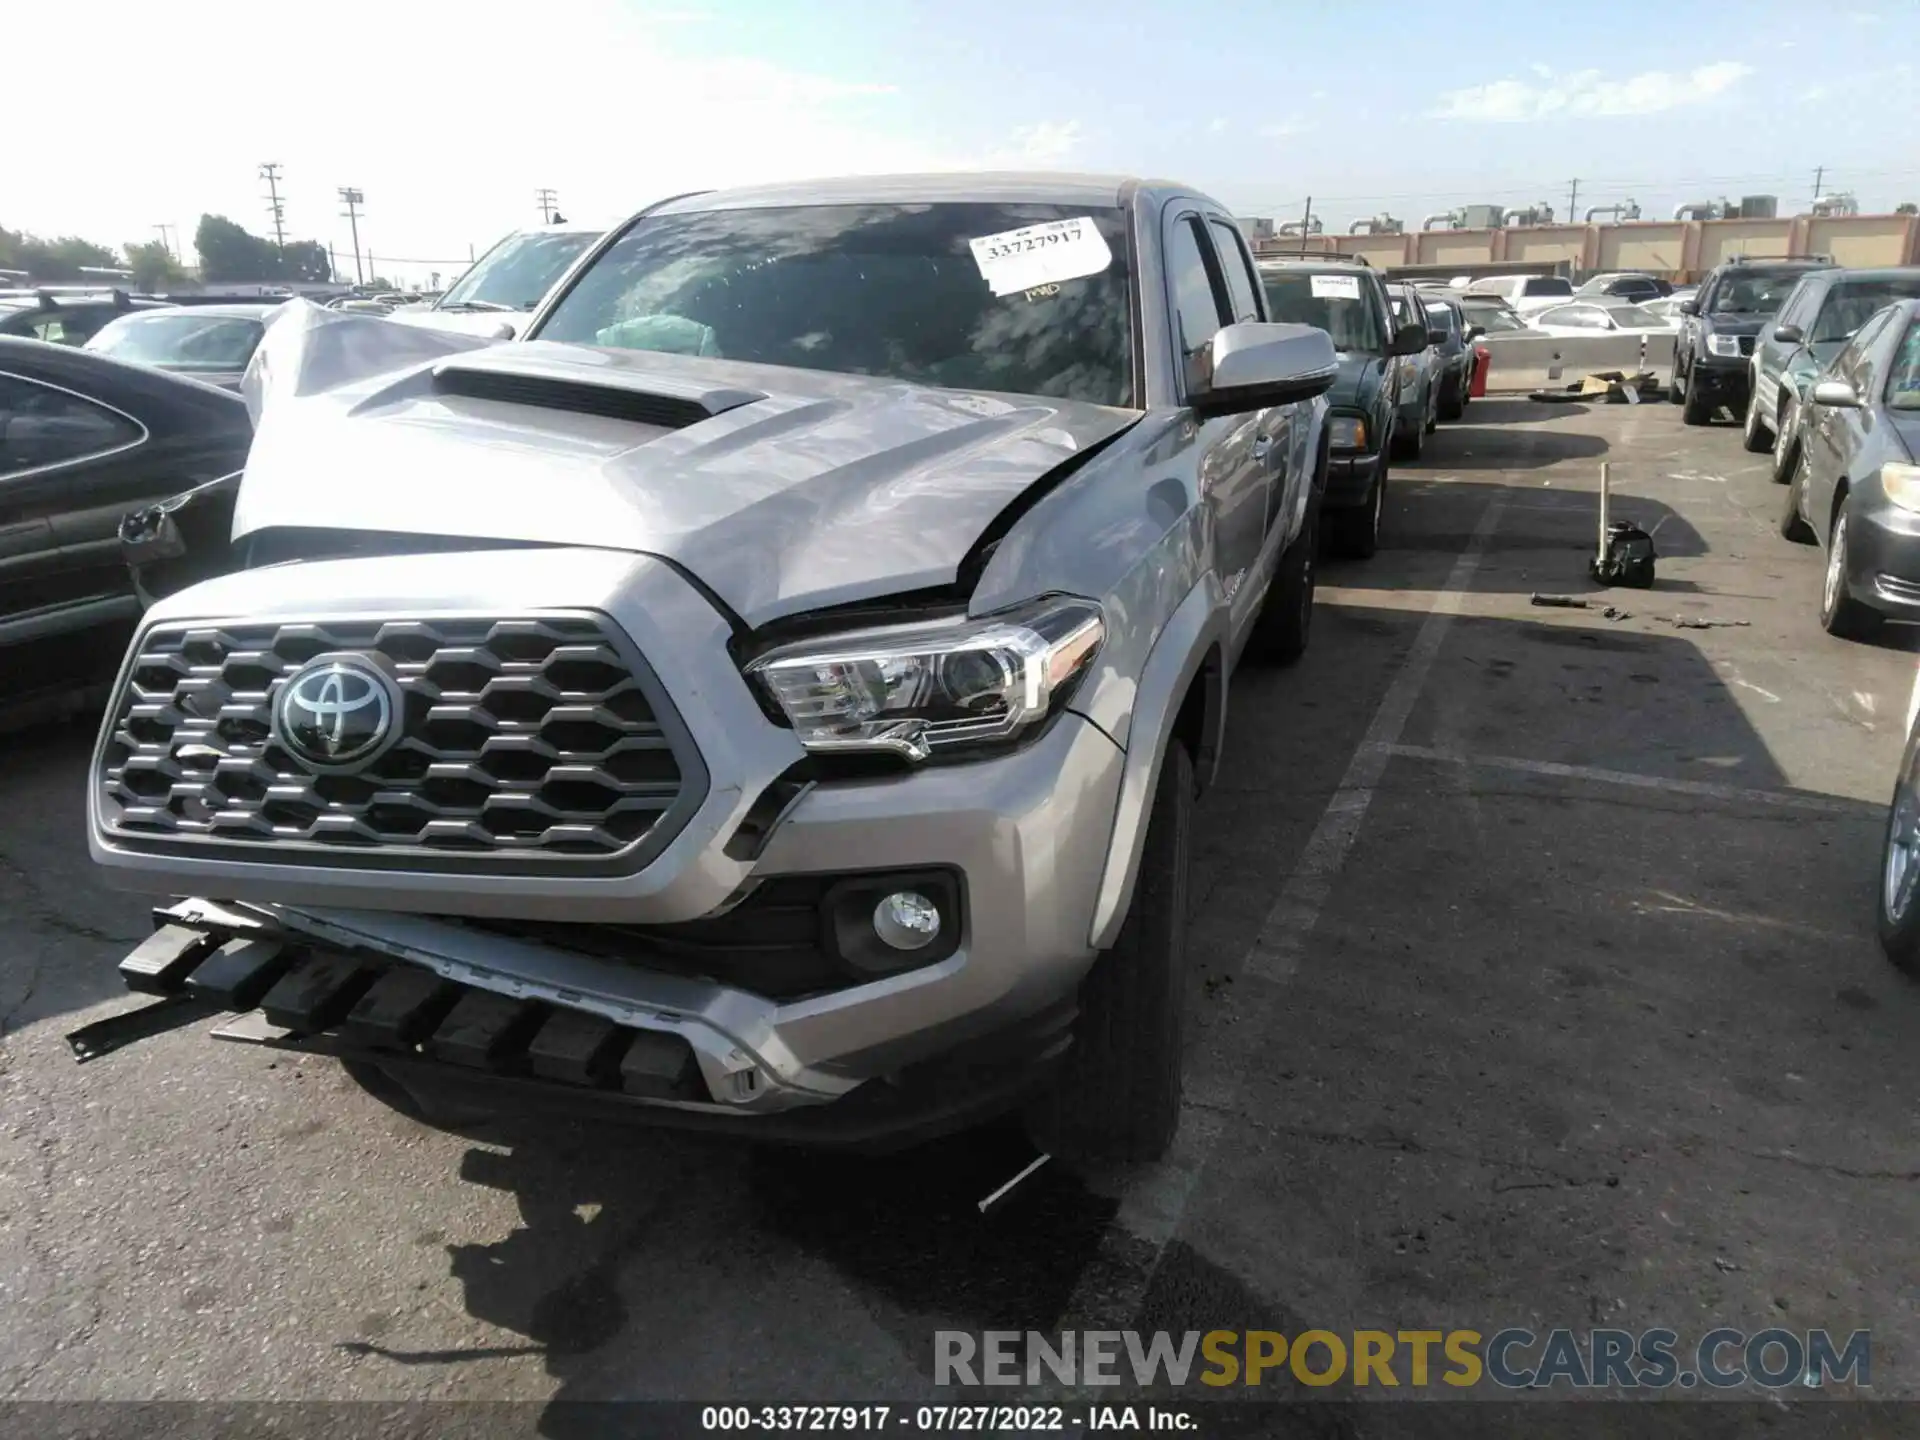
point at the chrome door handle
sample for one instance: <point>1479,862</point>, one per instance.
<point>1262,446</point>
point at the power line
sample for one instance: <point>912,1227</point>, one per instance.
<point>270,172</point>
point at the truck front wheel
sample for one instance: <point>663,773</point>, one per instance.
<point>1117,1096</point>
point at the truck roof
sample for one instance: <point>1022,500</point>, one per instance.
<point>1011,187</point>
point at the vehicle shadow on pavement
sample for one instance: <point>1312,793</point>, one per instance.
<point>1561,524</point>
<point>66,931</point>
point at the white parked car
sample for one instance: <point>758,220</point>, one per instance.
<point>501,289</point>
<point>1525,293</point>
<point>1600,317</point>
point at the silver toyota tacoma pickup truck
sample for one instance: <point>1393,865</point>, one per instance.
<point>770,697</point>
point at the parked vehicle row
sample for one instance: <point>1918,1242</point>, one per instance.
<point>1407,361</point>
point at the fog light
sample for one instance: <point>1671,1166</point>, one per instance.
<point>906,920</point>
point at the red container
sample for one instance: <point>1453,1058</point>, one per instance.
<point>1482,358</point>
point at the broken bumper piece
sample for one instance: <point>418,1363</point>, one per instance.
<point>439,1036</point>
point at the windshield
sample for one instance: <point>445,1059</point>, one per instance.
<point>1028,299</point>
<point>1754,292</point>
<point>517,273</point>
<point>1635,317</point>
<point>1903,384</point>
<point>1851,303</point>
<point>181,340</point>
<point>1494,318</point>
<point>1545,285</point>
<point>1336,303</point>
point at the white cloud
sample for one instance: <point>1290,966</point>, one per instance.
<point>1216,126</point>
<point>1287,128</point>
<point>1812,94</point>
<point>1047,143</point>
<point>1588,93</point>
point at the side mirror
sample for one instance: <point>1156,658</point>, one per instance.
<point>1837,394</point>
<point>1474,332</point>
<point>503,331</point>
<point>1254,364</point>
<point>1789,334</point>
<point>1439,337</point>
<point>1409,339</point>
<point>1689,307</point>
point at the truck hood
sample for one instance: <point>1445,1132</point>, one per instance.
<point>1355,382</point>
<point>487,324</point>
<point>781,490</point>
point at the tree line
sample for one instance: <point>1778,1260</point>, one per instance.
<point>227,251</point>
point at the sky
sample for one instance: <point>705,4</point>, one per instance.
<point>450,116</point>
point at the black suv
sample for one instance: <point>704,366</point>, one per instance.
<point>1717,336</point>
<point>1347,299</point>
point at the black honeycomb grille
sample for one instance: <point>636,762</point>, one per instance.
<point>524,743</point>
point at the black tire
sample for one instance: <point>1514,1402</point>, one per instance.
<point>1898,909</point>
<point>1677,386</point>
<point>1786,454</point>
<point>1756,436</point>
<point>1286,615</point>
<point>1792,527</point>
<point>1841,615</point>
<point>1698,411</point>
<point>1433,410</point>
<point>1355,534</point>
<point>1452,407</point>
<point>1117,1095</point>
<point>1410,441</point>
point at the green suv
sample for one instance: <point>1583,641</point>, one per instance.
<point>1347,299</point>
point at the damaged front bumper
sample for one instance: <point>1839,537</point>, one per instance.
<point>531,1032</point>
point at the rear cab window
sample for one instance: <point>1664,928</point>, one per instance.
<point>1542,287</point>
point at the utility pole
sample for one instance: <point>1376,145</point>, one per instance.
<point>1819,174</point>
<point>164,243</point>
<point>271,174</point>
<point>1573,200</point>
<point>1306,223</point>
<point>546,199</point>
<point>353,200</point>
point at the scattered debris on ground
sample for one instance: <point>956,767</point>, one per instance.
<point>1690,622</point>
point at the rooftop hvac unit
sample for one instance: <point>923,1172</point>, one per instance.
<point>1759,207</point>
<point>1840,203</point>
<point>1481,217</point>
<point>1257,229</point>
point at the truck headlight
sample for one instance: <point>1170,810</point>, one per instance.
<point>912,690</point>
<point>1723,345</point>
<point>1346,432</point>
<point>1901,484</point>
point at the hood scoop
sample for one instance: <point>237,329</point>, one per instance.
<point>665,406</point>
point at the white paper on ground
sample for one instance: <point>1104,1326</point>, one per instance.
<point>1045,254</point>
<point>1336,287</point>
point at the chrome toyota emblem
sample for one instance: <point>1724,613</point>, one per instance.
<point>336,712</point>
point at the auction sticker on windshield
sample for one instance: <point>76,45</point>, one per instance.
<point>1017,260</point>
<point>1336,287</point>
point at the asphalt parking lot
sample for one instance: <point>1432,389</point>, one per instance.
<point>1535,985</point>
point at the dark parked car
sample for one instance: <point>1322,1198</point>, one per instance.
<point>1854,484</point>
<point>1348,300</point>
<point>1627,285</point>
<point>1816,322</point>
<point>209,342</point>
<point>84,439</point>
<point>1455,359</point>
<point>66,317</point>
<point>1710,364</point>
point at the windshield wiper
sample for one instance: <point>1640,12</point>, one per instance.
<point>477,305</point>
